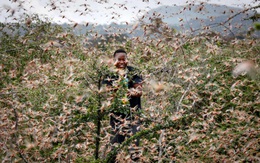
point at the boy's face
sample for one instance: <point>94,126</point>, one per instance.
<point>120,60</point>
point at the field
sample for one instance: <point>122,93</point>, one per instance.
<point>195,107</point>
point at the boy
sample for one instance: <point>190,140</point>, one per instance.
<point>126,83</point>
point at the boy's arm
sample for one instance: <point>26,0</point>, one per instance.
<point>136,91</point>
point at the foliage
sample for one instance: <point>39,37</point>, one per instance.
<point>55,109</point>
<point>257,26</point>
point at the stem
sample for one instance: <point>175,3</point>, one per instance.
<point>183,121</point>
<point>98,134</point>
<point>16,137</point>
<point>160,146</point>
<point>183,95</point>
<point>99,118</point>
<point>230,18</point>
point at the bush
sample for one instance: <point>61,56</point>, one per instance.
<point>54,107</point>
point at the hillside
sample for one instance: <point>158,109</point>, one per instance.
<point>183,18</point>
<point>191,19</point>
<point>172,14</point>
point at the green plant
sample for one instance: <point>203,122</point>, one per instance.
<point>54,107</point>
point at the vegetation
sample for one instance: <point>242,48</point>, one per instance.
<point>55,109</point>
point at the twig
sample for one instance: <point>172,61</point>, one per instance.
<point>183,95</point>
<point>99,118</point>
<point>230,18</point>
<point>251,8</point>
<point>16,139</point>
<point>185,120</point>
<point>160,145</point>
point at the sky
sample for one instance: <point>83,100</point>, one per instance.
<point>96,11</point>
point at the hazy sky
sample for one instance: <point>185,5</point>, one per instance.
<point>96,11</point>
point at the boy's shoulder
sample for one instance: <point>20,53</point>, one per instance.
<point>132,69</point>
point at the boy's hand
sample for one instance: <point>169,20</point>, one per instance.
<point>136,91</point>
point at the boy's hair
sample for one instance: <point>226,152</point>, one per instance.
<point>119,51</point>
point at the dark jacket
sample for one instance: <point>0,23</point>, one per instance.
<point>132,77</point>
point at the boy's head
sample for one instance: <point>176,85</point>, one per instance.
<point>120,58</point>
